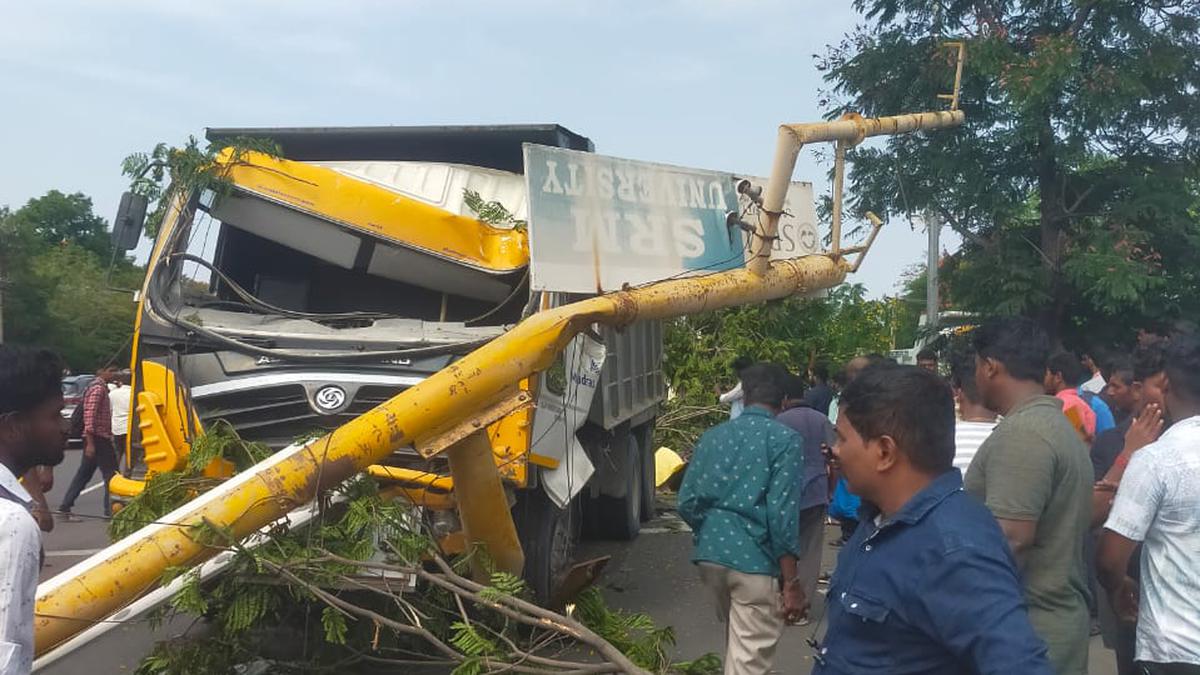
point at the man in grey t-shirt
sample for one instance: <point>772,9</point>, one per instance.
<point>1035,475</point>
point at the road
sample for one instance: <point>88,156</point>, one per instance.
<point>73,541</point>
<point>651,575</point>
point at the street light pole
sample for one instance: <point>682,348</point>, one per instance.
<point>934,226</point>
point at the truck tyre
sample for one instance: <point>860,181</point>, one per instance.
<point>547,535</point>
<point>621,517</point>
<point>645,437</point>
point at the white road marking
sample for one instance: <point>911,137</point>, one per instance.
<point>92,488</point>
<point>73,553</point>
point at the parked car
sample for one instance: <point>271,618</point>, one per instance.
<point>73,387</point>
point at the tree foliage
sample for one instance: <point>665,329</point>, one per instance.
<point>55,258</point>
<point>1074,181</point>
<point>56,218</point>
<point>167,171</point>
<point>796,333</point>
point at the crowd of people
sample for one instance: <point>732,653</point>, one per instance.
<point>997,510</point>
<point>979,509</point>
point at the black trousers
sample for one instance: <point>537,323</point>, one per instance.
<point>1148,668</point>
<point>848,525</point>
<point>105,459</point>
<point>119,450</point>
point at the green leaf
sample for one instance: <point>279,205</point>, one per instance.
<point>334,624</point>
<point>189,598</point>
<point>491,212</point>
<point>470,666</point>
<point>469,641</point>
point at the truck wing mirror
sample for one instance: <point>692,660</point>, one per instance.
<point>131,218</point>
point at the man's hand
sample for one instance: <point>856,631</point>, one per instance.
<point>1145,429</point>
<point>1125,600</point>
<point>795,605</point>
<point>89,447</point>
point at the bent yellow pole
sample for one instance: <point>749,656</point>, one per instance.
<point>97,587</point>
<point>482,504</point>
<point>851,129</point>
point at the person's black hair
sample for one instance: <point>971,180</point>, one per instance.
<point>1069,366</point>
<point>927,354</point>
<point>962,375</point>
<point>912,405</point>
<point>1183,366</point>
<point>877,359</point>
<point>820,371</point>
<point>794,387</point>
<point>1121,368</point>
<point>1018,343</point>
<point>28,378</point>
<point>763,384</point>
<point>741,363</point>
<point>839,379</point>
<point>1149,359</point>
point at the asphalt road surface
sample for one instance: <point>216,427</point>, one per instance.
<point>651,575</point>
<point>74,540</point>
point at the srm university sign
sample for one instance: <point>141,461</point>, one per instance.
<point>597,223</point>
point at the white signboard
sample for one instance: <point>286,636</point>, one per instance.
<point>599,223</point>
<point>798,234</point>
<point>559,415</point>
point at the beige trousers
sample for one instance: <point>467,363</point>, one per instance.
<point>749,605</point>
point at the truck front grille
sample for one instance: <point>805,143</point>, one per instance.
<point>278,415</point>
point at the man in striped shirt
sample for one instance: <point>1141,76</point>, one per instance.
<point>975,422</point>
<point>98,450</point>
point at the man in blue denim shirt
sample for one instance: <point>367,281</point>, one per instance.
<point>927,584</point>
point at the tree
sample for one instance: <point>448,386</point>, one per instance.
<point>82,318</point>
<point>1074,182</point>
<point>795,332</point>
<point>55,266</point>
<point>57,218</point>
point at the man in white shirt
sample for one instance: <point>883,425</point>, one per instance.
<point>1158,504</point>
<point>1096,384</point>
<point>975,422</point>
<point>31,434</point>
<point>119,394</point>
<point>734,397</point>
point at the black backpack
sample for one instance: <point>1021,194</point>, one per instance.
<point>75,426</point>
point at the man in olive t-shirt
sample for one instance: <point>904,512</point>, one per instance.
<point>1035,475</point>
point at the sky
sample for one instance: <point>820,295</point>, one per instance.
<point>700,83</point>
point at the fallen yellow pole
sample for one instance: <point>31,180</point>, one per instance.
<point>482,505</point>
<point>97,587</point>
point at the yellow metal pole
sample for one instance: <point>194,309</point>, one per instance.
<point>792,137</point>
<point>97,587</point>
<point>835,221</point>
<point>483,506</point>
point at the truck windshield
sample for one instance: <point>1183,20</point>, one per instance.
<point>298,262</point>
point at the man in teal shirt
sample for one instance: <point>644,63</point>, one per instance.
<point>741,498</point>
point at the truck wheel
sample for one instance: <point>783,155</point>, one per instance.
<point>646,438</point>
<point>547,535</point>
<point>621,517</point>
